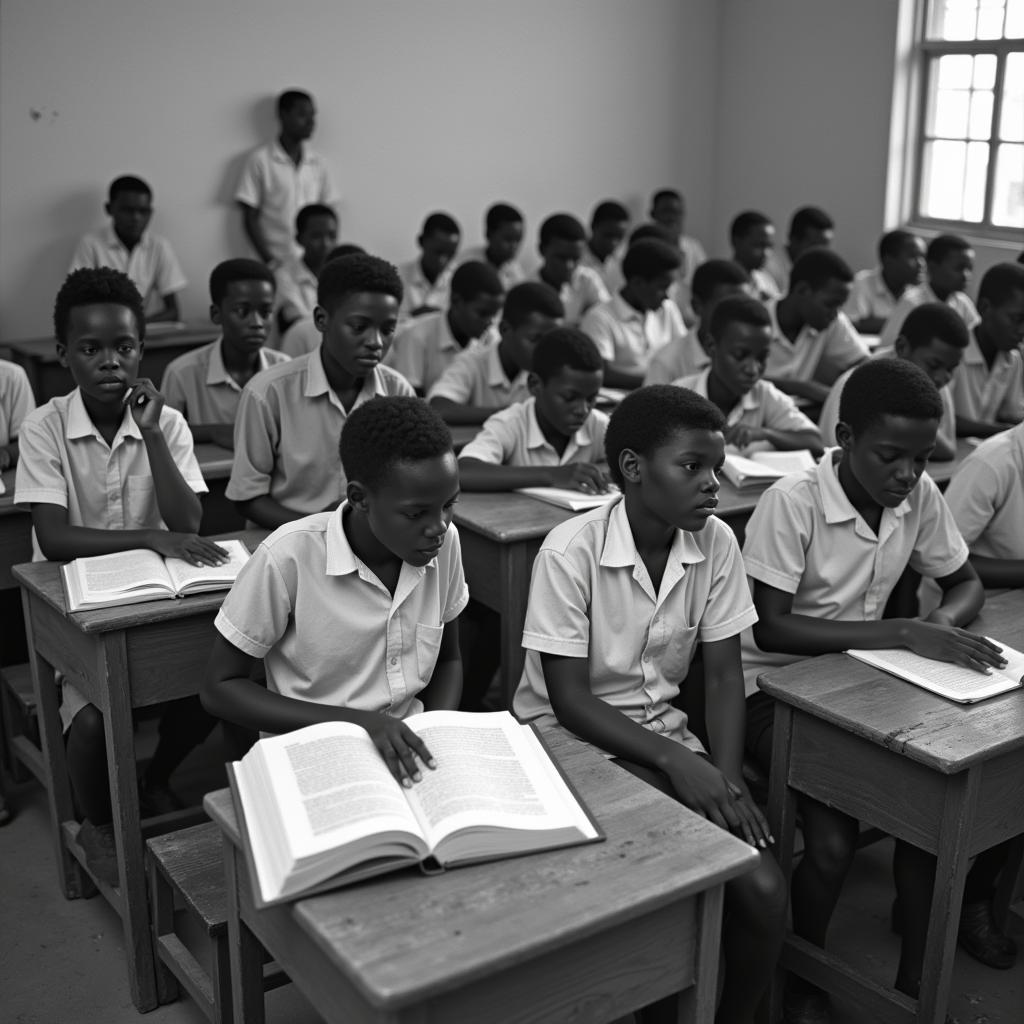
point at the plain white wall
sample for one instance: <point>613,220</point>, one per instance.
<point>424,104</point>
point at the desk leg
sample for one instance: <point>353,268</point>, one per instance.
<point>515,566</point>
<point>244,951</point>
<point>698,1003</point>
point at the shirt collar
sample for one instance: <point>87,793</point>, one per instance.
<point>316,376</point>
<point>111,240</point>
<point>216,371</point>
<point>80,424</point>
<point>836,506</point>
<point>277,153</point>
<point>700,386</point>
<point>777,330</point>
<point>620,549</point>
<point>535,436</point>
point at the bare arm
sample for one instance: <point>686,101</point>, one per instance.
<point>999,572</point>
<point>966,427</point>
<point>477,475</point>
<point>741,434</point>
<point>267,512</point>
<point>809,389</point>
<point>254,232</point>
<point>620,378</point>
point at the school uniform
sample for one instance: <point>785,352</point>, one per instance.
<point>296,289</point>
<point>274,184</point>
<point>423,348</point>
<point>512,437</point>
<point>990,394</point>
<point>678,358</point>
<point>300,338</point>
<point>582,291</point>
<point>765,288</point>
<point>199,386</point>
<point>476,377</point>
<point>918,296</point>
<point>509,274</point>
<point>870,296</point>
<point>287,432</point>
<point>588,571</point>
<point>152,265</point>
<point>418,291</point>
<point>628,338</point>
<point>16,400</point>
<point>610,271</point>
<point>778,266</point>
<point>814,355</point>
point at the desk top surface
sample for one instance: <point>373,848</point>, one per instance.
<point>895,714</point>
<point>406,937</point>
<point>44,350</point>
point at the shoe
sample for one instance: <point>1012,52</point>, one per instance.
<point>157,800</point>
<point>980,937</point>
<point>805,1006</point>
<point>97,841</point>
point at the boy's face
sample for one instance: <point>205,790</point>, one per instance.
<point>358,331</point>
<point>131,213</point>
<point>102,351</point>
<point>473,316</point>
<point>504,241</point>
<point>738,358</point>
<point>752,250</point>
<point>651,292</point>
<point>298,121</point>
<point>565,400</point>
<point>938,358</point>
<point>952,274</point>
<point>318,237</point>
<point>1004,324</point>
<point>889,456</point>
<point>438,250</point>
<point>561,258</point>
<point>812,238</point>
<point>244,315</point>
<point>906,268</point>
<point>820,306</point>
<point>607,236</point>
<point>670,214</point>
<point>522,340</point>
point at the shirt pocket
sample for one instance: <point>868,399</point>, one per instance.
<point>428,644</point>
<point>140,503</point>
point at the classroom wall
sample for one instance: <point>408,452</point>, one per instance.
<point>424,104</point>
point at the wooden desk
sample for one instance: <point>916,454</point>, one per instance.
<point>120,658</point>
<point>945,777</point>
<point>587,933</point>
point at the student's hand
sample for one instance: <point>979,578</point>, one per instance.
<point>223,434</point>
<point>742,434</point>
<point>950,643</point>
<point>189,547</point>
<point>400,747</point>
<point>145,403</point>
<point>580,476</point>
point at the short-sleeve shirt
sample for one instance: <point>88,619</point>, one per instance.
<point>296,289</point>
<point>287,431</point>
<point>588,572</point>
<point>304,588</point>
<point>778,266</point>
<point>610,271</point>
<point>513,437</point>
<point>300,338</point>
<point>199,386</point>
<point>815,355</point>
<point>476,377</point>
<point>418,291</point>
<point>628,338</point>
<point>583,290</point>
<point>152,265</point>
<point>509,274</point>
<point>274,184</point>
<point>423,348</point>
<point>990,394</point>
<point>765,287</point>
<point>917,296</point>
<point>16,400</point>
<point>869,296</point>
<point>679,358</point>
<point>805,538</point>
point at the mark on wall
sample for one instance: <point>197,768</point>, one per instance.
<point>38,113</point>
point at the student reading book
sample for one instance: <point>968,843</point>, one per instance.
<point>321,809</point>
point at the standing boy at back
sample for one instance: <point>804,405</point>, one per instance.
<point>608,226</point>
<point>810,227</point>
<point>126,245</point>
<point>560,245</point>
<point>425,280</point>
<point>316,231</point>
<point>503,231</point>
<point>752,237</point>
<point>876,292</point>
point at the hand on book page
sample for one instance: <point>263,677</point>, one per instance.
<point>189,547</point>
<point>401,749</point>
<point>950,643</point>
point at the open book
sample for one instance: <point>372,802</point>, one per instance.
<point>320,809</point>
<point>568,497</point>
<point>764,467</point>
<point>130,577</point>
<point>963,685</point>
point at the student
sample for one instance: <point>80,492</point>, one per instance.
<point>16,402</point>
<point>757,414</point>
<point>503,231</point>
<point>824,549</point>
<point>810,227</point>
<point>280,178</point>
<point>875,293</point>
<point>813,341</point>
<point>290,416</point>
<point>560,245</point>
<point>949,263</point>
<point>426,279</point>
<point>485,378</point>
<point>668,209</point>
<point>126,245</point>
<point>612,678</point>
<point>634,324</point>
<point>608,226</point>
<point>316,231</point>
<point>933,337</point>
<point>713,281</point>
<point>205,385</point>
<point>106,468</point>
<point>988,392</point>
<point>752,237</point>
<point>425,347</point>
<point>383,571</point>
<point>553,439</point>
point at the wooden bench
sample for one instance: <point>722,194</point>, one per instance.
<point>22,753</point>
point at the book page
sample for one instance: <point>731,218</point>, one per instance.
<point>120,573</point>
<point>785,462</point>
<point>566,497</point>
<point>183,575</point>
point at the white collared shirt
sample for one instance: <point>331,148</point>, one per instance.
<point>509,274</point>
<point>918,296</point>
<point>16,400</point>
<point>610,271</point>
<point>423,348</point>
<point>765,287</point>
<point>296,289</point>
<point>418,291</point>
<point>814,355</point>
<point>582,291</point>
<point>869,296</point>
<point>476,377</point>
<point>628,338</point>
<point>300,338</point>
<point>678,358</point>
<point>985,393</point>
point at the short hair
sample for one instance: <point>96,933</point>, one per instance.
<point>307,213</point>
<point>531,297</point>
<point>561,227</point>
<point>663,194</point>
<point>563,347</point>
<point>474,278</point>
<point>817,266</point>
<point>127,183</point>
<point>387,430</point>
<point>745,222</point>
<point>809,218</point>
<point>646,418</point>
<point>237,270</point>
<point>934,320</point>
<point>441,224</point>
<point>652,230</point>
<point>892,243</point>
<point>942,246</point>
<point>1000,282</point>
<point>345,249</point>
<point>357,272</point>
<point>650,257</point>
<point>499,214</point>
<point>738,309</point>
<point>291,98</point>
<point>607,212</point>
<point>714,274</point>
<point>91,286</point>
<point>888,387</point>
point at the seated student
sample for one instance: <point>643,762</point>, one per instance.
<point>503,230</point>
<point>612,679</point>
<point>813,340</point>
<point>553,439</point>
<point>631,326</point>
<point>668,209</point>
<point>16,402</point>
<point>316,231</point>
<point>126,245</point>
<point>934,338</point>
<point>205,385</point>
<point>752,237</point>
<point>384,571</point>
<point>561,244</point>
<point>106,468</point>
<point>290,416</point>
<point>713,281</point>
<point>757,414</point>
<point>485,378</point>
<point>824,549</point>
<point>949,263</point>
<point>809,228</point>
<point>608,226</point>
<point>988,391</point>
<point>424,348</point>
<point>875,293</point>
<point>425,280</point>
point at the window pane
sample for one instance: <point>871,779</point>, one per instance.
<point>953,19</point>
<point>985,71</point>
<point>990,19</point>
<point>974,181</point>
<point>1011,121</point>
<point>1014,19</point>
<point>980,126</point>
<point>1008,198</point>
<point>951,112</point>
<point>942,179</point>
<point>956,71</point>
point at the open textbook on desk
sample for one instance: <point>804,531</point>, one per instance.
<point>765,467</point>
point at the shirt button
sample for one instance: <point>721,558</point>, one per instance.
<point>394,661</point>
